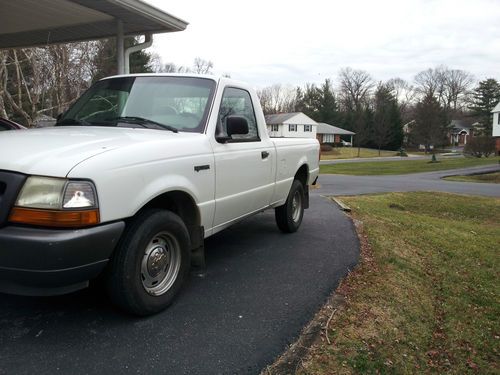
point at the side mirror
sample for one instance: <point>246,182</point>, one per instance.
<point>236,125</point>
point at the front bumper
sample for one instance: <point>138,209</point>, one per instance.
<point>37,261</point>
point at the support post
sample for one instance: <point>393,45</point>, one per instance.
<point>148,41</point>
<point>120,55</point>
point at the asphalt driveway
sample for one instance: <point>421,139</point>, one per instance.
<point>260,290</point>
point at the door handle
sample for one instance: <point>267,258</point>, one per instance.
<point>264,154</point>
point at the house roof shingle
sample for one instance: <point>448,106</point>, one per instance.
<point>290,118</point>
<point>330,129</point>
<point>456,126</point>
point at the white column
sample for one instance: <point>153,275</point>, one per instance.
<point>120,55</point>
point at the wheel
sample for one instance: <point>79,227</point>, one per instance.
<point>289,216</point>
<point>150,263</point>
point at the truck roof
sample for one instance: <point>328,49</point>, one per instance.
<point>216,78</point>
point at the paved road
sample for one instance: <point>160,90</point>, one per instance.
<point>261,288</point>
<point>431,181</point>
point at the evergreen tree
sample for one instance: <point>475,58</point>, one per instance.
<point>308,101</point>
<point>430,123</point>
<point>105,62</point>
<point>319,103</point>
<point>484,99</point>
<point>387,123</point>
<point>328,109</point>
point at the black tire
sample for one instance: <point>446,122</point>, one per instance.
<point>287,217</point>
<point>154,245</point>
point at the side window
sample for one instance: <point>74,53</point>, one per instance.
<point>237,102</point>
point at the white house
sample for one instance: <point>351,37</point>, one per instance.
<point>291,125</point>
<point>496,127</point>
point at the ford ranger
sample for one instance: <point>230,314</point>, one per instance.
<point>132,179</point>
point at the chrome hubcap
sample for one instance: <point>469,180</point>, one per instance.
<point>296,206</point>
<point>160,264</point>
<point>157,261</point>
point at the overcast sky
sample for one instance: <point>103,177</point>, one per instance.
<point>294,42</point>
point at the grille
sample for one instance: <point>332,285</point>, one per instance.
<point>10,185</point>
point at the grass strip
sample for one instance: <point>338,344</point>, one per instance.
<point>404,166</point>
<point>425,297</point>
<point>352,152</point>
<point>490,178</point>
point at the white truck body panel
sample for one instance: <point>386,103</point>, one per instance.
<point>132,166</point>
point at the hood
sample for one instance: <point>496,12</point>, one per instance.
<point>55,151</point>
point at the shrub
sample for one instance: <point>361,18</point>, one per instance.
<point>480,146</point>
<point>402,152</point>
<point>326,147</point>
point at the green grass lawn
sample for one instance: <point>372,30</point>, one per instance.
<point>492,178</point>
<point>352,152</point>
<point>404,166</point>
<point>426,295</point>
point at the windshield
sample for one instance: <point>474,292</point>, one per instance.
<point>171,103</point>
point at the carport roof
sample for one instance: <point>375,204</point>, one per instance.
<point>28,23</point>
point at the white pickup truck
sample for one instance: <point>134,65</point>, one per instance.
<point>131,180</point>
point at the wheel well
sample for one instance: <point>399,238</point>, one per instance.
<point>302,174</point>
<point>181,204</point>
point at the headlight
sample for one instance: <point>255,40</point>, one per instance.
<point>56,202</point>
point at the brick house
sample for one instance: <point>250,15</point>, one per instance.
<point>327,133</point>
<point>460,132</point>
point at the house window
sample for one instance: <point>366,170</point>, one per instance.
<point>292,127</point>
<point>274,128</point>
<point>308,128</point>
<point>328,138</point>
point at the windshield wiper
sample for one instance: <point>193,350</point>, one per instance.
<point>143,122</point>
<point>72,121</point>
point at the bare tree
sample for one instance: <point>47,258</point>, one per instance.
<point>431,82</point>
<point>43,80</point>
<point>403,91</point>
<point>449,86</point>
<point>16,88</point>
<point>201,66</point>
<point>354,97</point>
<point>355,88</point>
<point>458,84</point>
<point>172,68</point>
<point>277,99</point>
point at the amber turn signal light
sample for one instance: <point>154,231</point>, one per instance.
<point>54,218</point>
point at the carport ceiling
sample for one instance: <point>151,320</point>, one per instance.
<point>28,23</point>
